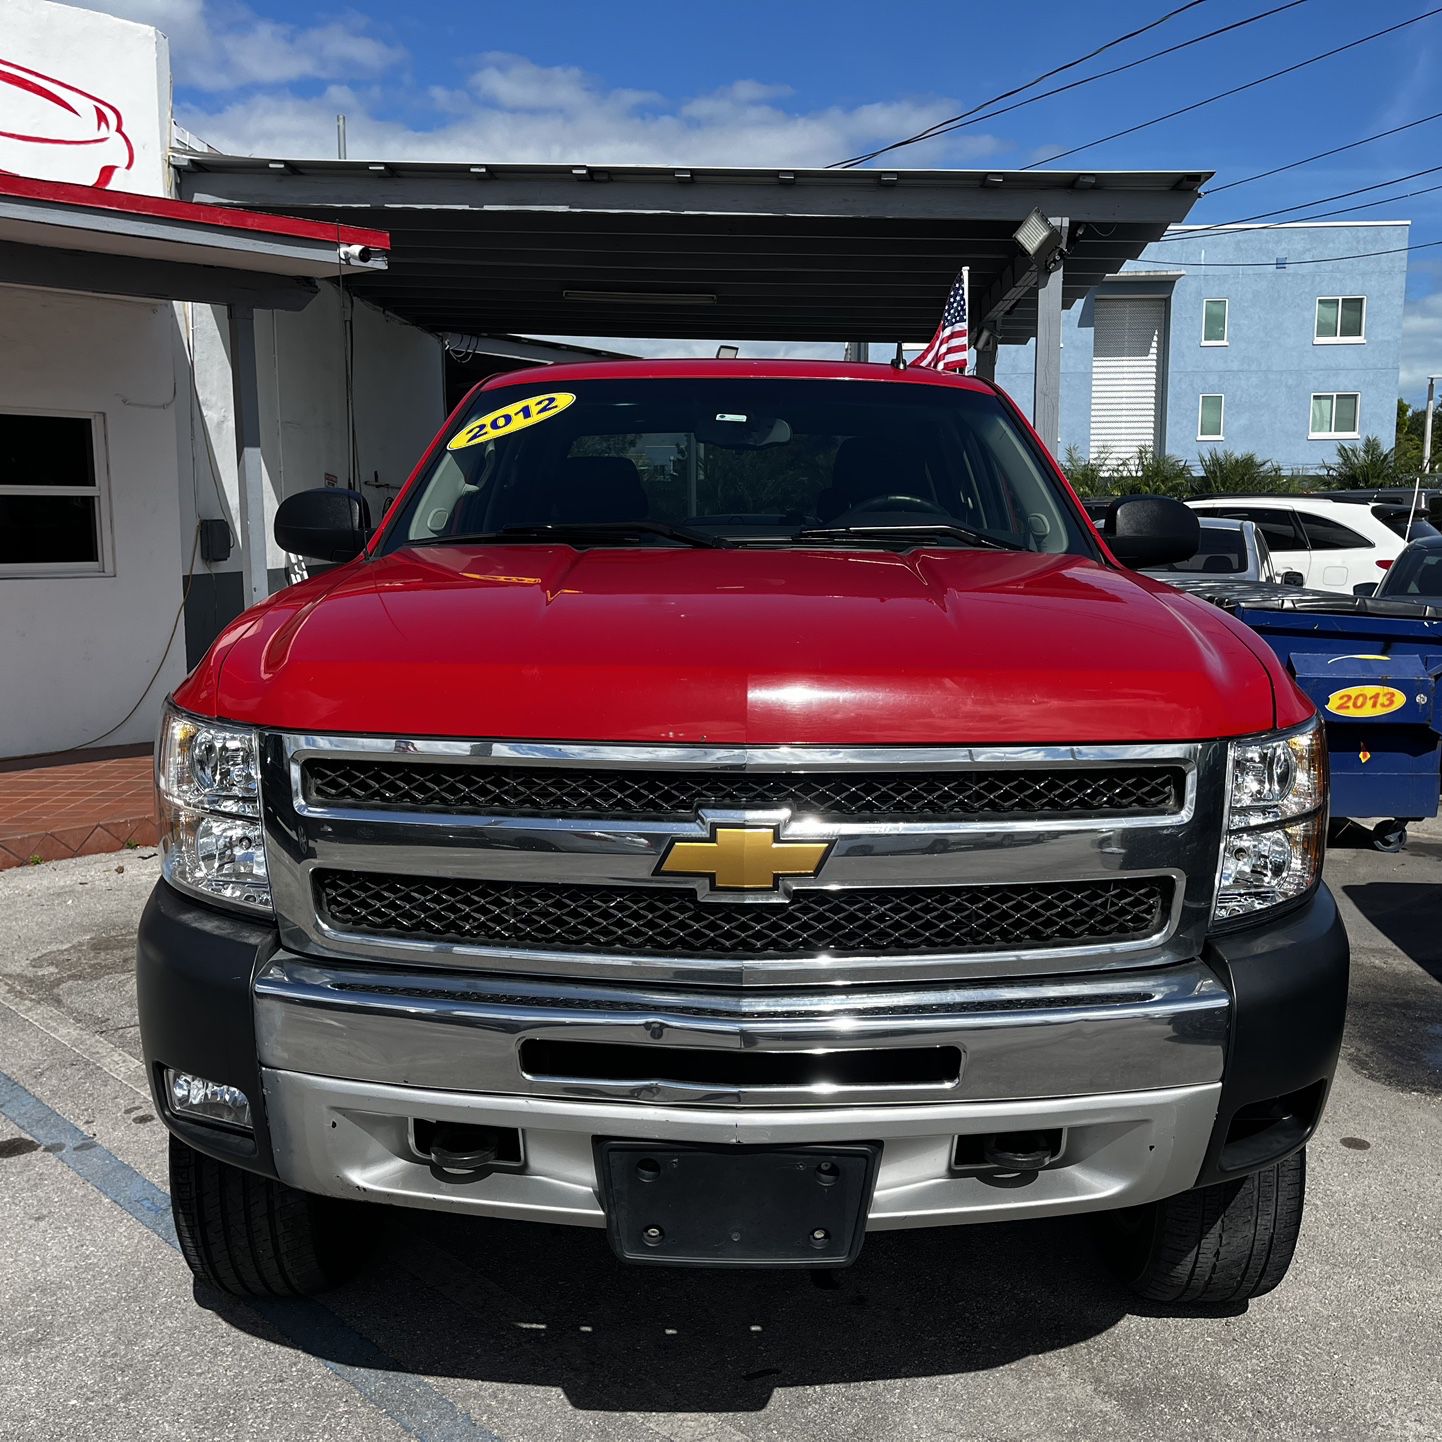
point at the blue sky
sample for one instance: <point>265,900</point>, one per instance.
<point>803,82</point>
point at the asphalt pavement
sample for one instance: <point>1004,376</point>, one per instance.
<point>467,1329</point>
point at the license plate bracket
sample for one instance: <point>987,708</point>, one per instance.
<point>737,1206</point>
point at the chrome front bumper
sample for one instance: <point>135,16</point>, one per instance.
<point>1128,1065</point>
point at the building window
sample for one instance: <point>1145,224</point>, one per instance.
<point>1209,419</point>
<point>1334,416</point>
<point>1341,320</point>
<point>1214,322</point>
<point>51,494</point>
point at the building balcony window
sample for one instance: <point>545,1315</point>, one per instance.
<point>1340,320</point>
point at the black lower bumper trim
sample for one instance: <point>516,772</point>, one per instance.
<point>1288,982</point>
<point>194,967</point>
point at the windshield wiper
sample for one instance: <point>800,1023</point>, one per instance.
<point>950,530</point>
<point>586,531</point>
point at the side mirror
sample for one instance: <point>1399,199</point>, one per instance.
<point>1295,578</point>
<point>1365,588</point>
<point>323,525</point>
<point>1151,531</point>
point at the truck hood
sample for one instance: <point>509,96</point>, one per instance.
<point>758,647</point>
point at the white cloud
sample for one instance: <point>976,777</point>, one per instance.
<point>227,46</point>
<point>512,109</point>
<point>1421,345</point>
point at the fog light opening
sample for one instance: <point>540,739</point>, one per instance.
<point>196,1098</point>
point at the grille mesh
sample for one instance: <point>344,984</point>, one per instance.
<point>677,795</point>
<point>662,921</point>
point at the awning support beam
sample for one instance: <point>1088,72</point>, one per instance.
<point>249,464</point>
<point>1046,392</point>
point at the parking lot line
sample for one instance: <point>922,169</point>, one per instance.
<point>410,1402</point>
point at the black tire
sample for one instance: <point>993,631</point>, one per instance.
<point>1223,1243</point>
<point>251,1236</point>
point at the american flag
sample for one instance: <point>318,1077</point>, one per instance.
<point>947,351</point>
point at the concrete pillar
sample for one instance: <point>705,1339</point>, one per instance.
<point>986,364</point>
<point>857,351</point>
<point>1046,395</point>
<point>250,469</point>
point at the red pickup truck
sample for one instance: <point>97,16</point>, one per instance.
<point>741,806</point>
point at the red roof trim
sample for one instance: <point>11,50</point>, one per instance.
<point>217,217</point>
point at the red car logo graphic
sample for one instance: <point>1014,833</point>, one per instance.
<point>51,131</point>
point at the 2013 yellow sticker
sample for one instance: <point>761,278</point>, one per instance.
<point>515,417</point>
<point>1365,701</point>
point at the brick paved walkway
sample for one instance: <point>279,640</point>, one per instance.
<point>75,804</point>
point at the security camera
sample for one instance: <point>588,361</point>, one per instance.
<point>356,254</point>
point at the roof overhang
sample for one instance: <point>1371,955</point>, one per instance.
<point>75,237</point>
<point>708,253</point>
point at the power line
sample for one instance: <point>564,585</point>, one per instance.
<point>974,116</point>
<point>1323,154</point>
<point>1319,215</point>
<point>1237,89</point>
<point>1303,204</point>
<point>1268,264</point>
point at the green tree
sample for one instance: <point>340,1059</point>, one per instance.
<point>1239,473</point>
<point>1154,472</point>
<point>1411,422</point>
<point>1088,477</point>
<point>1368,464</point>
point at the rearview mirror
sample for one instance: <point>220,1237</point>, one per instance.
<point>323,525</point>
<point>1293,578</point>
<point>1151,531</point>
<point>741,431</point>
<point>1365,588</point>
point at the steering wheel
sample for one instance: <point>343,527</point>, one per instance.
<point>891,503</point>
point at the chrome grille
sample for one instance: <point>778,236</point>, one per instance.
<point>657,921</point>
<point>679,794</point>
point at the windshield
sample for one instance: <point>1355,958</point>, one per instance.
<point>1222,552</point>
<point>750,461</point>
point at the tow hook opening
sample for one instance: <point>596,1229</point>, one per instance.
<point>1020,1153</point>
<point>462,1150</point>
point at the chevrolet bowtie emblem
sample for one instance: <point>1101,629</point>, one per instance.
<point>743,858</point>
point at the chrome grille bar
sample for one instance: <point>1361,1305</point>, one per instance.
<point>1177,850</point>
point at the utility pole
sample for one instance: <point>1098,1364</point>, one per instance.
<point>1427,423</point>
<point>340,137</point>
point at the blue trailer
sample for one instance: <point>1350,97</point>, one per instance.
<point>1372,668</point>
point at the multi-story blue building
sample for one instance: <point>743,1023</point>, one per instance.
<point>1279,339</point>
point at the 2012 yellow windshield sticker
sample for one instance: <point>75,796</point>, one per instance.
<point>1365,701</point>
<point>515,417</point>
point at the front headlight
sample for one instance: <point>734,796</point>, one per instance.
<point>1276,821</point>
<point>208,776</point>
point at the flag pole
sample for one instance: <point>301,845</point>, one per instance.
<point>966,301</point>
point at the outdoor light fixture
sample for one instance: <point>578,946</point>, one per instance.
<point>727,352</point>
<point>1038,237</point>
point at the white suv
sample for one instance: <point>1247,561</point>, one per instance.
<point>1334,544</point>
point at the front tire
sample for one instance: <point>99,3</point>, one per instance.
<point>1224,1243</point>
<point>251,1236</point>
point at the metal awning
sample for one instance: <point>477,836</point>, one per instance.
<point>708,253</point>
<point>80,237</point>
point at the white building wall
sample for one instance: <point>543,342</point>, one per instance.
<point>76,651</point>
<point>397,402</point>
<point>67,57</point>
